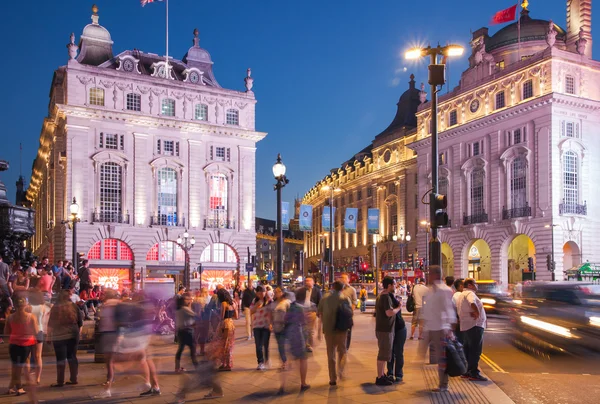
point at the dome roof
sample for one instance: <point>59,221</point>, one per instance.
<point>95,44</point>
<point>407,109</point>
<point>97,33</point>
<point>531,30</point>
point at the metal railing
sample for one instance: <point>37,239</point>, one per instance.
<point>573,209</point>
<point>480,218</point>
<point>167,220</point>
<point>110,217</point>
<point>524,211</point>
<point>218,224</point>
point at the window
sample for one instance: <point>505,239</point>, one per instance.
<point>500,64</point>
<point>570,179</point>
<point>350,198</point>
<point>111,141</point>
<point>569,85</point>
<point>369,192</point>
<point>134,102</point>
<point>358,194</point>
<point>517,136</point>
<point>569,129</point>
<point>168,148</point>
<point>96,96</point>
<point>476,149</point>
<point>201,112</point>
<point>393,218</point>
<point>360,216</point>
<point>528,89</point>
<point>442,159</point>
<point>443,185</point>
<point>220,153</point>
<point>391,188</point>
<point>221,253</point>
<point>168,107</point>
<point>110,192</point>
<point>477,182</point>
<point>416,201</point>
<point>218,193</point>
<point>233,117</point>
<point>453,119</point>
<point>500,103</point>
<point>166,251</point>
<point>518,183</point>
<point>167,197</point>
<point>110,249</point>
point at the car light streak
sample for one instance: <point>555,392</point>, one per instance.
<point>549,327</point>
<point>487,300</point>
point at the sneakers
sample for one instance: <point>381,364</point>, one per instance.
<point>383,381</point>
<point>249,338</point>
<point>151,392</point>
<point>440,390</point>
<point>261,366</point>
<point>104,394</point>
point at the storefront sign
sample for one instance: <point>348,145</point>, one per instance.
<point>212,278</point>
<point>110,278</point>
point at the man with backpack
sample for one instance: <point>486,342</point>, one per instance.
<point>335,311</point>
<point>385,319</point>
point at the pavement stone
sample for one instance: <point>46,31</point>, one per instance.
<point>247,385</point>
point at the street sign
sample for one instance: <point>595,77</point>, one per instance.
<point>249,267</point>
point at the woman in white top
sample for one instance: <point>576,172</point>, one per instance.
<point>40,311</point>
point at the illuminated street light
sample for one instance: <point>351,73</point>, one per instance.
<point>279,174</point>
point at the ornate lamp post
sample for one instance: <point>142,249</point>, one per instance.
<point>282,181</point>
<point>187,243</point>
<point>74,210</point>
<point>332,190</point>
<point>402,243</point>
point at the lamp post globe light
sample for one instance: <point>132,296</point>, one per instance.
<point>74,210</point>
<point>282,181</point>
<point>402,243</point>
<point>186,243</point>
<point>437,77</point>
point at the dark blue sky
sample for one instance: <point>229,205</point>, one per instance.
<point>328,73</point>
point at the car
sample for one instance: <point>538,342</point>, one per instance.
<point>492,296</point>
<point>557,317</point>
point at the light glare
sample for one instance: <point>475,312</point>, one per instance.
<point>413,54</point>
<point>548,327</point>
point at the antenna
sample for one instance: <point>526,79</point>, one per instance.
<point>20,159</point>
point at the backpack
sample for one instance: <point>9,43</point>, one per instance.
<point>343,317</point>
<point>456,362</point>
<point>410,304</point>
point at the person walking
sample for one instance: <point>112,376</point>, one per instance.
<point>22,330</point>
<point>40,310</point>
<point>419,290</point>
<point>226,339</point>
<point>64,327</point>
<point>350,293</point>
<point>472,325</point>
<point>311,302</point>
<point>335,340</point>
<point>395,366</point>
<point>385,320</point>
<point>280,308</point>
<point>362,296</point>
<point>202,319</point>
<point>295,322</point>
<point>261,320</point>
<point>107,328</point>
<point>248,296</point>
<point>185,321</point>
<point>438,317</point>
<point>458,287</point>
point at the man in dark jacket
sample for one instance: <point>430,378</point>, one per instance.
<point>248,296</point>
<point>84,276</point>
<point>313,297</point>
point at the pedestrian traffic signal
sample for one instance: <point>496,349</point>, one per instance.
<point>439,202</point>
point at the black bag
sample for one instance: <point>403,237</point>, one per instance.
<point>410,304</point>
<point>343,318</point>
<point>456,362</point>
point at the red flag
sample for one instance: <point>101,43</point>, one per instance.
<point>144,2</point>
<point>504,16</point>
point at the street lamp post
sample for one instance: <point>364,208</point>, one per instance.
<point>74,210</point>
<point>553,264</point>
<point>331,223</point>
<point>427,226</point>
<point>187,243</point>
<point>402,243</point>
<point>437,78</point>
<point>282,181</point>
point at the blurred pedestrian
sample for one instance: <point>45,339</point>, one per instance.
<point>185,322</point>
<point>41,311</point>
<point>107,328</point>
<point>64,327</point>
<point>202,319</point>
<point>261,321</point>
<point>248,296</point>
<point>280,308</point>
<point>226,331</point>
<point>310,303</point>
<point>419,290</point>
<point>350,293</point>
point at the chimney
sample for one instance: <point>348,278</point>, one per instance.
<point>579,15</point>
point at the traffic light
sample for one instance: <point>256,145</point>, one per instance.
<point>439,202</point>
<point>355,264</point>
<point>549,262</point>
<point>530,264</point>
<point>138,276</point>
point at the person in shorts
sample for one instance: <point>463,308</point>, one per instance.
<point>418,292</point>
<point>385,318</point>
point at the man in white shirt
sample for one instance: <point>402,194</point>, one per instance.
<point>418,291</point>
<point>472,324</point>
<point>458,287</point>
<point>438,316</point>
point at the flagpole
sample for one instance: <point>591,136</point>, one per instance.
<point>518,32</point>
<point>167,73</point>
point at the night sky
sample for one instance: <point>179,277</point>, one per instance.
<point>327,73</point>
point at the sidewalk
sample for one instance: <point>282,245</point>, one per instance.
<point>247,385</point>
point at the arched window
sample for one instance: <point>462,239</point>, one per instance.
<point>110,193</point>
<point>168,107</point>
<point>233,117</point>
<point>518,183</point>
<point>201,112</point>
<point>219,252</point>
<point>217,208</point>
<point>393,215</point>
<point>166,251</point>
<point>477,188</point>
<point>167,197</point>
<point>110,249</point>
<point>96,96</point>
<point>134,102</point>
<point>570,179</point>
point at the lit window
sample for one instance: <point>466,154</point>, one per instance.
<point>218,200</point>
<point>97,96</point>
<point>453,118</point>
<point>569,85</point>
<point>168,148</point>
<point>500,103</point>
<point>125,253</point>
<point>233,117</point>
<point>168,107</point>
<point>166,251</point>
<point>201,112</point>
<point>94,252</point>
<point>110,192</point>
<point>153,253</point>
<point>134,102</point>
<point>500,64</point>
<point>205,257</point>
<point>110,249</point>
<point>518,183</point>
<point>167,197</point>
<point>442,159</point>
<point>528,89</point>
<point>570,178</point>
<point>219,252</point>
<point>477,184</point>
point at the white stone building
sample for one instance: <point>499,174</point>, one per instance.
<point>146,156</point>
<point>519,138</point>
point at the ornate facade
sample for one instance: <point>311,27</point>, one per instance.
<point>147,149</point>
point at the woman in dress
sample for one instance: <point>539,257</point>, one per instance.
<point>227,330</point>
<point>295,332</point>
<point>22,330</point>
